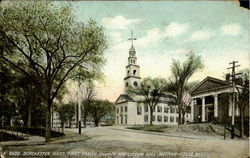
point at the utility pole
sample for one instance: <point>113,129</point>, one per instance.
<point>233,77</point>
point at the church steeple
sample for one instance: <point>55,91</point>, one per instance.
<point>133,70</point>
<point>132,53</point>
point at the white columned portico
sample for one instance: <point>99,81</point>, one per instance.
<point>215,105</point>
<point>192,110</point>
<point>203,109</point>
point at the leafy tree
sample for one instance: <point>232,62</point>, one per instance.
<point>99,109</point>
<point>181,73</point>
<point>243,98</point>
<point>152,90</point>
<point>89,96</point>
<point>66,112</point>
<point>7,99</point>
<point>45,42</point>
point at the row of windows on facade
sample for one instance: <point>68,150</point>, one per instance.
<point>159,118</point>
<point>139,109</point>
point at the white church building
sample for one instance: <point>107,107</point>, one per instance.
<point>131,110</point>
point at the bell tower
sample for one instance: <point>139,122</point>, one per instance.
<point>132,77</point>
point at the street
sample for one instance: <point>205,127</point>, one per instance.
<point>129,143</point>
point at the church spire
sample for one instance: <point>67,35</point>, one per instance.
<point>132,51</point>
<point>132,77</point>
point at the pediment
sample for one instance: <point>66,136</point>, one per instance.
<point>209,84</point>
<point>123,98</point>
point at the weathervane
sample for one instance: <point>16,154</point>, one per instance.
<point>132,37</point>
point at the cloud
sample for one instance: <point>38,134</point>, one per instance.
<point>118,22</point>
<point>115,37</point>
<point>231,29</point>
<point>200,35</point>
<point>175,29</point>
<point>153,35</point>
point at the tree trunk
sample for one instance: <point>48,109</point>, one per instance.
<point>85,120</point>
<point>96,123</point>
<point>48,121</point>
<point>241,122</point>
<point>62,126</point>
<point>179,108</point>
<point>151,116</point>
<point>29,116</point>
<point>70,120</point>
<point>183,117</point>
<point>224,130</point>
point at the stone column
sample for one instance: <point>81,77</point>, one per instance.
<point>215,105</point>
<point>203,110</point>
<point>192,110</point>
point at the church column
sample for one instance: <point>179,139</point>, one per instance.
<point>215,105</point>
<point>192,110</point>
<point>203,110</point>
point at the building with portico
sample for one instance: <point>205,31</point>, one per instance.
<point>212,101</point>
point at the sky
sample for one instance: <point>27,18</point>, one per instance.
<point>218,31</point>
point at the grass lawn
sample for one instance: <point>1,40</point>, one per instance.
<point>206,129</point>
<point>8,137</point>
<point>158,128</point>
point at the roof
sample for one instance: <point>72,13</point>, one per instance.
<point>132,48</point>
<point>124,98</point>
<point>210,84</point>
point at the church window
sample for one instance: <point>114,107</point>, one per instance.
<point>172,119</point>
<point>126,84</point>
<point>145,108</point>
<point>128,72</point>
<point>165,119</point>
<point>166,109</point>
<point>121,109</point>
<point>117,110</point>
<point>159,118</point>
<point>145,118</point>
<point>134,72</point>
<point>159,109</point>
<point>139,110</point>
<point>135,84</point>
<point>126,108</point>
